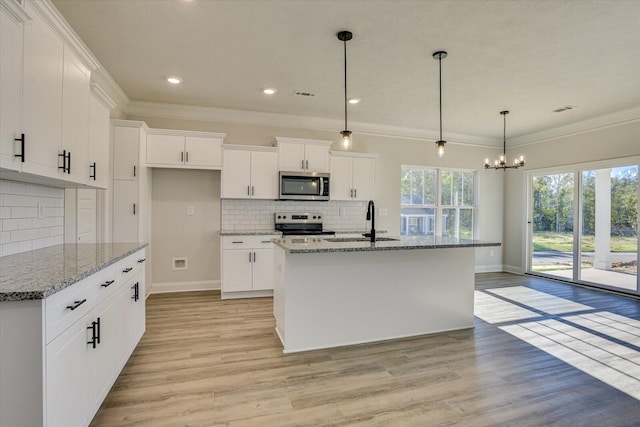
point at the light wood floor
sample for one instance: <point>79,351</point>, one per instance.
<point>204,361</point>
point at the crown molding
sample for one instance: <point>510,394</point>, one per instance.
<point>102,96</point>
<point>111,88</point>
<point>601,122</point>
<point>14,10</point>
<point>62,27</point>
<point>213,114</point>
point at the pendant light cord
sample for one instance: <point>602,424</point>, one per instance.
<point>345,84</point>
<point>440,79</point>
<point>504,137</point>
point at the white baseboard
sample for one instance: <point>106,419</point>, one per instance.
<point>512,269</point>
<point>200,285</point>
<point>247,294</point>
<point>489,268</point>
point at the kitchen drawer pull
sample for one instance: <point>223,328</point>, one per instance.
<point>128,269</point>
<point>238,241</point>
<point>76,304</point>
<point>107,284</point>
<point>266,241</point>
<point>141,260</point>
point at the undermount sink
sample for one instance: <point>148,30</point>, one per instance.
<point>360,239</point>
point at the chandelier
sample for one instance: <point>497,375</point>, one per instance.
<point>501,162</point>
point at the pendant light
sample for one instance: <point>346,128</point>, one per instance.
<point>345,36</point>
<point>501,162</point>
<point>440,55</point>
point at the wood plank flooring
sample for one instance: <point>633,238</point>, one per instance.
<point>207,362</point>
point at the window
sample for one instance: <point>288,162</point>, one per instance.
<point>433,199</point>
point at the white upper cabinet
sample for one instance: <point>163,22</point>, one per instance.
<point>11,48</point>
<point>76,81</point>
<point>306,155</point>
<point>352,176</point>
<point>99,146</point>
<point>126,145</point>
<point>42,108</point>
<point>250,173</point>
<point>184,149</point>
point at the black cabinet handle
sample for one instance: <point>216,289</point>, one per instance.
<point>93,335</point>
<point>182,156</point>
<point>136,291</point>
<point>134,170</point>
<point>107,284</point>
<point>134,208</point>
<point>186,158</point>
<point>76,304</point>
<point>238,241</point>
<point>64,161</point>
<point>69,160</point>
<point>93,166</point>
<point>128,269</point>
<point>98,327</point>
<point>141,260</point>
<point>21,155</point>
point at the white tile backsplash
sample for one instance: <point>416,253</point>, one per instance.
<point>258,214</point>
<point>20,228</point>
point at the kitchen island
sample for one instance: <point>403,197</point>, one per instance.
<point>331,292</point>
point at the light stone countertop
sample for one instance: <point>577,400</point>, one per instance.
<point>315,245</point>
<point>270,232</point>
<point>41,273</point>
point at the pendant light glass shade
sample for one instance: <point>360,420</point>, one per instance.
<point>347,141</point>
<point>439,56</point>
<point>501,162</point>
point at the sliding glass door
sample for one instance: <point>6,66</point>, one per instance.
<point>584,225</point>
<point>552,224</point>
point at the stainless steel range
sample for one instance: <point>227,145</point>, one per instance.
<point>300,224</point>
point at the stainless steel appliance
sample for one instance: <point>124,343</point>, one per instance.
<point>304,186</point>
<point>301,224</point>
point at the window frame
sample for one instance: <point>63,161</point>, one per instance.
<point>438,206</point>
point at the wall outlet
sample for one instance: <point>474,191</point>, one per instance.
<point>191,210</point>
<point>383,212</point>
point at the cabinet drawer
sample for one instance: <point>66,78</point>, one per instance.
<point>128,267</point>
<point>245,242</point>
<point>64,308</point>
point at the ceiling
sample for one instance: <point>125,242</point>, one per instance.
<point>527,56</point>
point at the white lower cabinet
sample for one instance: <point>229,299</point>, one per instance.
<point>81,354</point>
<point>247,266</point>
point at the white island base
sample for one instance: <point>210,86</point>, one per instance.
<point>333,299</point>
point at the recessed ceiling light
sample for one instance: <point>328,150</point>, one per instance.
<point>174,80</point>
<point>354,100</point>
<point>269,91</point>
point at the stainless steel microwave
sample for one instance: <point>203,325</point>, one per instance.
<point>304,186</point>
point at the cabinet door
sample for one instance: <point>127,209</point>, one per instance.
<point>11,48</point>
<point>42,107</point>
<point>237,270</point>
<point>264,175</point>
<point>125,211</point>
<point>123,302</point>
<point>290,156</point>
<point>66,378</point>
<point>165,150</point>
<point>102,361</point>
<point>75,116</point>
<point>126,143</point>
<point>263,269</point>
<point>137,323</point>
<point>99,153</point>
<point>364,178</point>
<point>205,152</point>
<point>316,158</point>
<point>340,185</point>
<point>236,174</point>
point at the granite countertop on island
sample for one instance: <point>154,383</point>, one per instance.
<point>270,232</point>
<point>315,245</point>
<point>41,273</point>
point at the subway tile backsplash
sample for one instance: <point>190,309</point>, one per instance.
<point>258,214</point>
<point>21,228</point>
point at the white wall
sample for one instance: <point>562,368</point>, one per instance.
<point>393,152</point>
<point>178,235</point>
<point>609,143</point>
